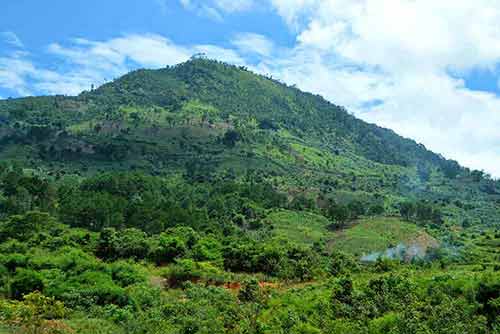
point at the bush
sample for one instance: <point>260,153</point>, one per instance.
<point>91,287</point>
<point>127,243</point>
<point>167,248</point>
<point>342,263</point>
<point>22,227</point>
<point>24,282</point>
<point>33,314</point>
<point>183,271</point>
<point>207,249</point>
<point>127,273</point>
<point>384,264</point>
<point>250,290</point>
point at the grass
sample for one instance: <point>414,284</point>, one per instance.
<point>302,227</point>
<point>312,156</point>
<point>374,234</point>
<point>365,236</point>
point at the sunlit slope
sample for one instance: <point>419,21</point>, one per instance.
<point>207,119</point>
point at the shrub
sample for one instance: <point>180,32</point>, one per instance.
<point>127,273</point>
<point>342,263</point>
<point>250,290</point>
<point>24,282</point>
<point>183,271</point>
<point>167,249</point>
<point>207,249</point>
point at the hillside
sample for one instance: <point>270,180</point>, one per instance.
<point>204,98</point>
<point>205,118</point>
<point>204,198</point>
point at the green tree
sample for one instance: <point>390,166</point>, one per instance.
<point>250,290</point>
<point>24,282</point>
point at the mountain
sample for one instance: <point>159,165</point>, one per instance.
<point>203,198</point>
<point>145,104</point>
<point>205,118</point>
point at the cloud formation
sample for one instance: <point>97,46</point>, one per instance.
<point>250,43</point>
<point>399,63</point>
<point>84,62</point>
<point>391,62</point>
<point>216,9</point>
<point>12,39</point>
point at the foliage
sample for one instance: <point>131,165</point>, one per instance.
<point>203,198</point>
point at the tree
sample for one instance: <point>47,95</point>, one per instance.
<point>376,210</point>
<point>22,227</point>
<point>407,210</point>
<point>127,243</point>
<point>93,210</point>
<point>342,263</point>
<point>34,313</point>
<point>167,249</point>
<point>231,137</point>
<point>356,208</point>
<point>424,172</point>
<point>24,282</point>
<point>488,295</point>
<point>340,213</point>
<point>207,249</point>
<point>250,290</point>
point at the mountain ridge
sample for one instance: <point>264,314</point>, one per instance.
<point>169,88</point>
<point>205,119</point>
<point>203,198</point>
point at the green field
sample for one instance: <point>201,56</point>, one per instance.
<point>374,235</point>
<point>301,227</point>
<point>364,236</point>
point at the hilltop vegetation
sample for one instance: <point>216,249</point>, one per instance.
<point>203,198</point>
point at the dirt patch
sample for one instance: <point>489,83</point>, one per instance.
<point>158,281</point>
<point>419,246</point>
<point>236,286</point>
<point>268,285</point>
<point>425,240</point>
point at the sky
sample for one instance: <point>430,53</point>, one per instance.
<point>429,70</point>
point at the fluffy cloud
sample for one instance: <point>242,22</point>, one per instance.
<point>83,63</point>
<point>249,43</point>
<point>13,73</point>
<point>397,63</point>
<point>215,52</point>
<point>389,61</point>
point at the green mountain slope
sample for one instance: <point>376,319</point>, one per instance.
<point>206,118</point>
<point>203,198</point>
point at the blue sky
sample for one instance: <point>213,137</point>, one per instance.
<point>428,70</point>
<point>29,27</point>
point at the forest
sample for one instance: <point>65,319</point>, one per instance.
<point>203,198</point>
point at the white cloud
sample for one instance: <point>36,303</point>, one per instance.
<point>12,39</point>
<point>388,61</point>
<point>215,9</point>
<point>13,72</point>
<point>294,10</point>
<point>20,75</point>
<point>400,53</point>
<point>222,54</point>
<point>231,6</point>
<point>83,63</point>
<point>253,43</point>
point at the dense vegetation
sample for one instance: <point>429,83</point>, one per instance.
<point>203,198</point>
